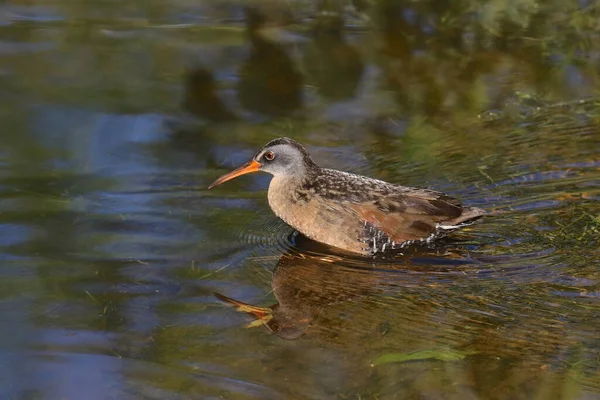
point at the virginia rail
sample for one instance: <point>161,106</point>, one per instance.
<point>351,212</point>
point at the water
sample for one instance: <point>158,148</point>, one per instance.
<point>116,117</point>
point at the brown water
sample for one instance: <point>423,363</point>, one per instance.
<point>115,116</point>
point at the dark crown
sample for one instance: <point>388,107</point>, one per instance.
<point>292,143</point>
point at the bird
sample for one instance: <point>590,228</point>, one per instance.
<point>354,213</point>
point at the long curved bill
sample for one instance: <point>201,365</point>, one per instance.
<point>249,167</point>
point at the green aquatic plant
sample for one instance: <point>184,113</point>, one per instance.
<point>441,354</point>
<point>581,230</point>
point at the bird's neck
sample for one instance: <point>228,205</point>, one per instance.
<point>284,191</point>
<point>289,182</point>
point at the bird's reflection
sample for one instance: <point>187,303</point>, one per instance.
<point>306,282</point>
<point>303,285</point>
<point>270,84</point>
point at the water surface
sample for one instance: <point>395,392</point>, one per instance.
<point>115,117</point>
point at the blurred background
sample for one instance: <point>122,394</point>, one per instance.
<point>115,117</point>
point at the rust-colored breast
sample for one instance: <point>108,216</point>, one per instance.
<point>317,217</point>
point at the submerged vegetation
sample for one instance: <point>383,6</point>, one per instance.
<point>574,230</point>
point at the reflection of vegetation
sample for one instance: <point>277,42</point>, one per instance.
<point>334,66</point>
<point>201,99</point>
<point>442,55</point>
<point>97,280</point>
<point>270,82</point>
<point>439,57</point>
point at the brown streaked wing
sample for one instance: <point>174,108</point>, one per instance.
<point>407,217</point>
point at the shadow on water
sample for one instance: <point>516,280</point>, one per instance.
<point>115,118</point>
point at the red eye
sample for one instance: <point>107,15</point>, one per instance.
<point>269,156</point>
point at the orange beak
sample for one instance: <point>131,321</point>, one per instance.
<point>258,312</point>
<point>250,166</point>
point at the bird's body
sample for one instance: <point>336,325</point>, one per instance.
<point>352,212</point>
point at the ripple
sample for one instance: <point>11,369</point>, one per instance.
<point>267,235</point>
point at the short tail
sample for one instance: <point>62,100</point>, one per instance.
<point>468,216</point>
